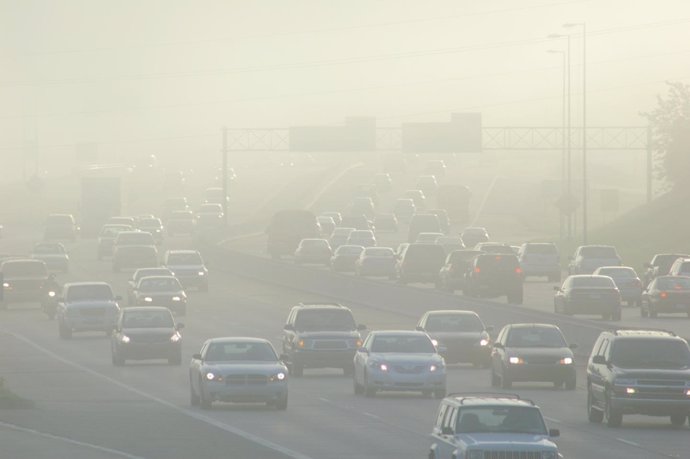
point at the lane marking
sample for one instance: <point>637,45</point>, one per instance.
<point>371,415</point>
<point>71,441</point>
<point>628,442</point>
<point>200,417</point>
<point>484,201</point>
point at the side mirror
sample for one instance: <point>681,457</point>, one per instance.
<point>196,356</point>
<point>499,346</point>
<point>289,327</point>
<point>554,433</point>
<point>447,431</point>
<point>599,360</point>
<point>179,326</point>
<point>573,346</point>
<point>363,350</point>
<point>489,328</point>
<point>419,328</point>
<point>361,327</point>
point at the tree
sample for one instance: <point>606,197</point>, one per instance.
<point>670,124</point>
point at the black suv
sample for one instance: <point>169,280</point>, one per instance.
<point>638,372</point>
<point>321,336</point>
<point>492,275</point>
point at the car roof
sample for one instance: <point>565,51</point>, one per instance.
<point>459,312</point>
<point>320,306</point>
<point>81,284</point>
<point>628,333</point>
<point>182,251</point>
<point>532,325</point>
<point>585,276</point>
<point>491,399</point>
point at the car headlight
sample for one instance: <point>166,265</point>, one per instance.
<point>202,273</point>
<point>125,339</point>
<point>475,454</point>
<point>434,342</point>
<point>484,342</point>
<point>549,455</point>
<point>433,367</point>
<point>278,377</point>
<point>51,294</point>
<point>148,299</point>
<point>176,298</point>
<point>383,367</point>
<point>175,338</point>
<point>516,360</point>
<point>566,361</point>
<point>210,376</point>
<point>301,344</point>
<point>6,284</point>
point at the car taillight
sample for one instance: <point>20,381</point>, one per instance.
<point>518,270</point>
<point>477,269</point>
<point>663,295</point>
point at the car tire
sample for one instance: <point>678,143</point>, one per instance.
<point>678,419</point>
<point>356,387</point>
<point>64,332</point>
<point>644,310</point>
<point>593,415</point>
<point>204,401</point>
<point>369,391</point>
<point>495,381</point>
<point>281,404</point>
<point>614,418</point>
<point>571,383</point>
<point>297,370</point>
<point>193,397</point>
<point>506,383</point>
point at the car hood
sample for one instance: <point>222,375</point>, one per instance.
<point>506,440</point>
<point>408,358</point>
<point>244,367</point>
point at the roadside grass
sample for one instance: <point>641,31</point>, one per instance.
<point>10,400</point>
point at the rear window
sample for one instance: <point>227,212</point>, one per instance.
<point>147,319</point>
<point>150,223</point>
<point>508,262</point>
<point>89,292</point>
<point>349,250</point>
<point>598,252</point>
<point>535,337</point>
<point>541,249</point>
<point>48,249</point>
<point>403,344</point>
<point>141,238</point>
<point>139,273</point>
<point>159,284</point>
<point>24,268</point>
<point>618,273</point>
<point>594,281</point>
<point>684,267</point>
<point>379,252</point>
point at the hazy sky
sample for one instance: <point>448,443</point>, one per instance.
<point>162,76</point>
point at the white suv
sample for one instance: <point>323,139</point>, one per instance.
<point>509,427</point>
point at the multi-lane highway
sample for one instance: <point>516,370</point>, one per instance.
<point>86,407</point>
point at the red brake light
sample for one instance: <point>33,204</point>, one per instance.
<point>663,295</point>
<point>498,258</point>
<point>477,269</point>
<point>518,270</point>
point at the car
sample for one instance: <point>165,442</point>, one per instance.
<point>314,250</point>
<point>423,223</point>
<point>666,294</point>
<point>152,225</point>
<point>238,370</point>
<point>627,281</point>
<point>215,195</point>
<point>680,267</point>
<point>140,273</point>
<point>443,219</point>
<point>451,276</point>
<point>492,275</point>
<point>364,238</point>
<point>588,294</point>
<point>367,191</point>
<point>540,259</point>
<point>376,261</point>
<point>491,426</point>
<point>181,222</point>
<point>358,222</point>
<point>106,238</point>
<point>393,360</point>
<point>450,243</point>
<point>404,209</point>
<point>210,216</point>
<point>53,254</point>
<point>386,223</point>
<point>134,256</point>
<point>588,258</point>
<point>363,205</point>
<point>326,224</point>
<point>136,237</point>
<point>437,167</point>
<point>428,238</point>
<point>188,266</point>
<point>428,184</point>
<point>144,333</point>
<point>383,181</point>
<point>320,335</point>
<point>532,352</point>
<point>417,196</point>
<point>494,247</point>
<point>24,280</point>
<point>420,263</point>
<point>345,257</point>
<point>336,216</point>
<point>85,307</point>
<point>473,235</point>
<point>460,336</point>
<point>161,291</point>
<point>638,372</point>
<point>660,264</point>
<point>339,237</point>
<point>287,228</point>
<point>61,226</point>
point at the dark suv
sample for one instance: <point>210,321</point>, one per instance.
<point>638,372</point>
<point>321,336</point>
<point>493,275</point>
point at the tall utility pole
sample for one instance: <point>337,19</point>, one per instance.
<point>585,184</point>
<point>224,175</point>
<point>563,144</point>
<point>568,133</point>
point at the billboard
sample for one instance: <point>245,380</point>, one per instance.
<point>463,134</point>
<point>357,134</point>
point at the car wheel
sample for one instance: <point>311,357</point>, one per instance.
<point>204,401</point>
<point>193,397</point>
<point>644,309</point>
<point>494,379</point>
<point>506,383</point>
<point>369,391</point>
<point>678,419</point>
<point>282,403</point>
<point>356,387</point>
<point>570,383</point>
<point>297,370</point>
<point>64,331</point>
<point>614,418</point>
<point>593,414</point>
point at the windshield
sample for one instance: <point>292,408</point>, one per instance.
<point>325,320</point>
<point>24,268</point>
<point>134,239</point>
<point>159,284</point>
<point>314,243</point>
<point>592,281</point>
<point>89,292</point>
<point>454,323</point>
<point>185,259</point>
<point>182,215</point>
<point>150,223</point>
<point>503,419</point>
<point>416,344</point>
<point>673,283</point>
<point>598,252</point>
<point>650,354</point>
<point>535,337</point>
<point>240,352</point>
<point>211,208</point>
<point>112,231</point>
<point>147,319</point>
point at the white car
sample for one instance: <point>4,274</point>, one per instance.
<point>399,361</point>
<point>238,370</point>
<point>189,268</point>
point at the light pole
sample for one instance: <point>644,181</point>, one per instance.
<point>563,128</point>
<point>584,125</point>
<point>569,169</point>
<point>224,177</point>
